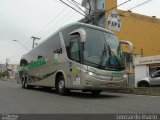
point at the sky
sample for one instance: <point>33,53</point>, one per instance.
<point>21,19</point>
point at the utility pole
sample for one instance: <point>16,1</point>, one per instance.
<point>95,13</point>
<point>34,38</point>
<point>7,60</point>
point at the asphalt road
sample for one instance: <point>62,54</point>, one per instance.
<point>14,99</point>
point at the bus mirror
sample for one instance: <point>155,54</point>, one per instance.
<point>80,32</point>
<point>130,45</point>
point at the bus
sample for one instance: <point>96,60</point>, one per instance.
<point>78,56</point>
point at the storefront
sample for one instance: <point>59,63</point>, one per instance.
<point>146,66</point>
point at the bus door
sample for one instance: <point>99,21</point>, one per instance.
<point>75,62</point>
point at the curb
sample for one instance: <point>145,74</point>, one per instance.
<point>10,80</point>
<point>155,91</point>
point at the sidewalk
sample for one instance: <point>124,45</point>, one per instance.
<point>153,91</point>
<point>11,80</point>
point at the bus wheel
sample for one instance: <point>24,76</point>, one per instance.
<point>96,92</point>
<point>25,85</point>
<point>61,86</point>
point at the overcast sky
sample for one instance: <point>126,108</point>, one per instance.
<point>21,19</point>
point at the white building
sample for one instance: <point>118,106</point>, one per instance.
<point>146,66</point>
<point>13,71</point>
<point>2,68</point>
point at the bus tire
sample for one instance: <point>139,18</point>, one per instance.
<point>25,84</point>
<point>96,92</point>
<point>22,79</point>
<point>61,86</point>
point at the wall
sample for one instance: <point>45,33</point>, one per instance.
<point>141,30</point>
<point>141,71</point>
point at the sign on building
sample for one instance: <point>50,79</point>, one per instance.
<point>113,21</point>
<point>147,60</point>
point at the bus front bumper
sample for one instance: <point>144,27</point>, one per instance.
<point>91,83</point>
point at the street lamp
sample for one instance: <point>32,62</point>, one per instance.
<point>21,44</point>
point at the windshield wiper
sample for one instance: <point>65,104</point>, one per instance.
<point>104,53</point>
<point>91,62</point>
<point>112,54</point>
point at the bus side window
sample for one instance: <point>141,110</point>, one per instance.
<point>39,57</point>
<point>74,48</point>
<point>23,62</point>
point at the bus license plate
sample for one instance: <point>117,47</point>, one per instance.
<point>111,84</point>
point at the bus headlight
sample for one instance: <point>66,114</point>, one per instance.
<point>125,76</point>
<point>90,73</point>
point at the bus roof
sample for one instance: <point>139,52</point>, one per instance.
<point>69,25</point>
<point>86,25</point>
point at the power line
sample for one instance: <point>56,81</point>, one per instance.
<point>68,18</point>
<point>76,5</point>
<point>72,8</point>
<point>71,2</point>
<point>119,5</point>
<point>29,41</point>
<point>57,22</point>
<point>62,19</point>
<point>122,13</point>
<point>136,6</point>
<point>53,19</point>
<point>141,4</point>
<point>108,9</point>
<point>60,13</point>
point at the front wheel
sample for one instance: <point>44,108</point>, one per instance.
<point>24,84</point>
<point>61,86</point>
<point>96,92</point>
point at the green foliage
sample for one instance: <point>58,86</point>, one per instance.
<point>4,74</point>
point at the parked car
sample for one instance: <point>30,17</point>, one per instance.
<point>152,81</point>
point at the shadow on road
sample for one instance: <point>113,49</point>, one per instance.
<point>79,94</point>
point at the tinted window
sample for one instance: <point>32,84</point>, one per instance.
<point>23,62</point>
<point>48,47</point>
<point>74,51</point>
<point>51,45</point>
<point>66,36</point>
<point>156,74</point>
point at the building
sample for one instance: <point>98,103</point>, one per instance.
<point>127,25</point>
<point>2,68</point>
<point>146,66</point>
<point>132,27</point>
<point>13,71</point>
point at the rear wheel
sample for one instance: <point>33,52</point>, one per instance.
<point>96,92</point>
<point>25,84</point>
<point>61,86</point>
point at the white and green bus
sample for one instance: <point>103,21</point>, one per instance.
<point>76,57</point>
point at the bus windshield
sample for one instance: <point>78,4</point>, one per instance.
<point>102,50</point>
